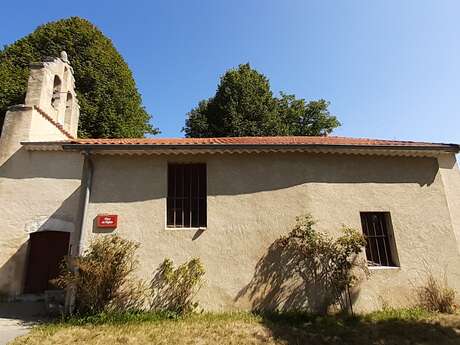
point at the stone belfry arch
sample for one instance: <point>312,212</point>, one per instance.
<point>50,110</point>
<point>51,87</point>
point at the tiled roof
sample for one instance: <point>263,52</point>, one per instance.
<point>264,141</point>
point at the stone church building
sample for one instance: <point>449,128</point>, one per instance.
<point>224,200</point>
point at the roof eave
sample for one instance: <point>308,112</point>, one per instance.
<point>197,148</point>
<point>444,148</point>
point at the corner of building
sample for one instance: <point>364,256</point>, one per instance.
<point>450,174</point>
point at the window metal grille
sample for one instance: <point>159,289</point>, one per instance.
<point>378,247</point>
<point>186,202</point>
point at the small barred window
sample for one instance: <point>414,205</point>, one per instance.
<point>186,202</point>
<point>380,247</point>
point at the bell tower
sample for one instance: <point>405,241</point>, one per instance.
<point>51,87</point>
<point>50,112</point>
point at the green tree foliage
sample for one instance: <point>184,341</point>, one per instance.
<point>299,117</point>
<point>244,105</point>
<point>111,105</point>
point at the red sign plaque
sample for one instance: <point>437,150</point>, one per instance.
<point>107,221</point>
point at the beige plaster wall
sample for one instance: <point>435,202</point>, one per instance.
<point>253,199</point>
<point>25,123</point>
<point>16,128</point>
<point>38,191</point>
<point>450,173</point>
<point>42,130</point>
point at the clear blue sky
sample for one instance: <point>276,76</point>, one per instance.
<point>390,68</point>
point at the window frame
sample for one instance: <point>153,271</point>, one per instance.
<point>185,163</point>
<point>392,257</point>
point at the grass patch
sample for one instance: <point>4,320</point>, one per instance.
<point>116,318</point>
<point>390,326</point>
<point>401,314</point>
<point>140,317</point>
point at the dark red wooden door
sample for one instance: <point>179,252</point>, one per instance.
<point>46,251</point>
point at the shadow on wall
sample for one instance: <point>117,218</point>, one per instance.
<point>25,164</point>
<point>277,285</point>
<point>12,272</point>
<point>140,178</point>
<point>278,171</point>
<point>64,217</point>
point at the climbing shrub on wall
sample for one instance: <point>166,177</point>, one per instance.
<point>327,266</point>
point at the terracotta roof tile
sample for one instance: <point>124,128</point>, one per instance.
<point>250,141</point>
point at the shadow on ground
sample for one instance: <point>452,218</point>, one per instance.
<point>17,318</point>
<point>27,313</point>
<point>363,331</point>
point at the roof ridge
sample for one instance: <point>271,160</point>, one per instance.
<point>299,140</point>
<point>53,122</point>
<point>387,140</point>
<point>256,138</point>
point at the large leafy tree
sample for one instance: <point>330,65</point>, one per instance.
<point>244,105</point>
<point>111,106</point>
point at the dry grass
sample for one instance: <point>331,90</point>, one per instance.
<point>104,277</point>
<point>192,330</point>
<point>392,327</point>
<point>436,295</point>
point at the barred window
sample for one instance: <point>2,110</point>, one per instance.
<point>186,202</point>
<point>380,247</point>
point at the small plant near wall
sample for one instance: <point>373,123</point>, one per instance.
<point>174,289</point>
<point>435,295</point>
<point>104,279</point>
<point>328,267</point>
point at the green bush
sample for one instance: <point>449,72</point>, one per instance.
<point>173,289</point>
